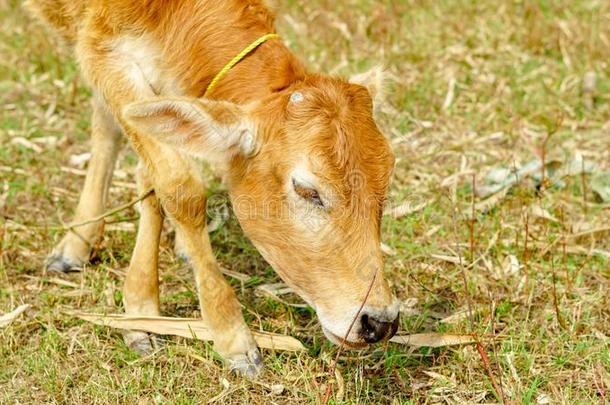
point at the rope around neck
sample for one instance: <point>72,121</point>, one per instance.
<point>236,60</point>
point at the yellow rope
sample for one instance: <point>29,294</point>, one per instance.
<point>236,60</point>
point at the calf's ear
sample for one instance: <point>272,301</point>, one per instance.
<point>207,129</point>
<point>374,80</point>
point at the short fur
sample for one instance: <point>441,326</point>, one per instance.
<point>149,63</point>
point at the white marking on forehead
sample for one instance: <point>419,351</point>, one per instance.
<point>296,97</point>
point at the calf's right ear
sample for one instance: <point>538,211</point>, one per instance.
<point>211,130</point>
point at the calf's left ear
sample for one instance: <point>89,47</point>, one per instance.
<point>211,130</point>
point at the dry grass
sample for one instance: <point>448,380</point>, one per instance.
<point>475,86</point>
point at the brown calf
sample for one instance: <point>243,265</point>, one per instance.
<point>306,166</point>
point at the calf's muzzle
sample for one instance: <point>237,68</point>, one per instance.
<point>373,330</point>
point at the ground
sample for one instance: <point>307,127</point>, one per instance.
<point>476,90</point>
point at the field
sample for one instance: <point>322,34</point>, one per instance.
<point>477,91</point>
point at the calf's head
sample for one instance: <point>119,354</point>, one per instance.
<point>308,171</point>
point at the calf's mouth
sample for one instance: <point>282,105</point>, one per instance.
<point>340,341</point>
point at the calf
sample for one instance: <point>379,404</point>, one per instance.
<point>306,166</point>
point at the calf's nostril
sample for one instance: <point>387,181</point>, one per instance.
<point>372,330</point>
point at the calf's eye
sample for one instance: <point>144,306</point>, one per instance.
<point>308,193</point>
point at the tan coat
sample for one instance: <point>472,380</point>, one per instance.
<point>306,166</point>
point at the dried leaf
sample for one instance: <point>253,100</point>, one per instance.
<point>387,250</point>
<point>46,140</point>
<point>440,377</point>
<point>62,282</point>
<point>406,208</point>
<point>459,315</point>
<point>275,288</point>
<point>120,227</point>
<point>26,143</point>
<point>76,172</point>
<point>72,294</point>
<point>185,327</point>
<point>235,274</point>
<point>9,317</point>
<point>433,339</point>
<point>538,212</point>
<point>79,161</point>
<point>449,259</point>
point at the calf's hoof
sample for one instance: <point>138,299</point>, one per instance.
<point>180,250</point>
<point>249,365</point>
<point>60,263</point>
<point>142,343</point>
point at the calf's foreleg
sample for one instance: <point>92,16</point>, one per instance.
<point>141,289</point>
<point>75,248</point>
<point>183,197</point>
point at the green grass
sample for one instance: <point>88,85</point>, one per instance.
<point>518,68</point>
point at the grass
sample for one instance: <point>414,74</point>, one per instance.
<point>518,69</point>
